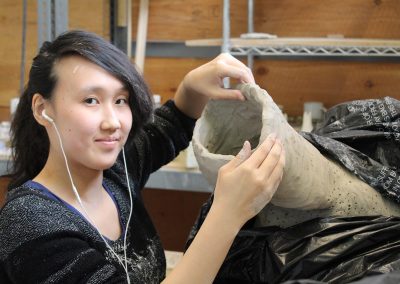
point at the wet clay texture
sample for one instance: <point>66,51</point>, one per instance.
<point>312,185</point>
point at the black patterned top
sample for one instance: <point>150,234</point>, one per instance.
<point>43,241</point>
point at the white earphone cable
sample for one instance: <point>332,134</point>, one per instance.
<point>125,266</point>
<point>131,206</point>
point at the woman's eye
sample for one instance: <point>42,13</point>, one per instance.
<point>121,101</point>
<point>91,101</point>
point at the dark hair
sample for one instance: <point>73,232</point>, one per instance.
<point>29,139</point>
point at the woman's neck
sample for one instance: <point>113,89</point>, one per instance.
<point>55,177</point>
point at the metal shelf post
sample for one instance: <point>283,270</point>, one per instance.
<point>52,19</point>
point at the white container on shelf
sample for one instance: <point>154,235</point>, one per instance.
<point>5,150</point>
<point>13,105</point>
<point>307,125</point>
<point>191,161</point>
<point>157,101</point>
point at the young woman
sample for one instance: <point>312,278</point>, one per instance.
<point>85,141</point>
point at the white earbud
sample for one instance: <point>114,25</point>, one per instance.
<point>46,116</point>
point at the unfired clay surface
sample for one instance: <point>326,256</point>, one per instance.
<point>312,185</point>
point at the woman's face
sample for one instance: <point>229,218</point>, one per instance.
<point>90,108</point>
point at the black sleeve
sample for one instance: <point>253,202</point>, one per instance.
<point>159,142</point>
<point>57,258</point>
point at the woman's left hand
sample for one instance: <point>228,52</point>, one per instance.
<point>206,82</point>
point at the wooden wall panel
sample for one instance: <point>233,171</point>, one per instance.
<point>191,19</point>
<point>352,18</point>
<point>10,48</point>
<point>4,181</point>
<point>179,20</point>
<point>164,74</point>
<point>292,82</point>
<point>91,15</point>
<point>173,213</point>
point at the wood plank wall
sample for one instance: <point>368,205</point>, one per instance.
<point>91,15</point>
<point>290,82</point>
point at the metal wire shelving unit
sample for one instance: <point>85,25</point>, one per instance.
<point>297,47</point>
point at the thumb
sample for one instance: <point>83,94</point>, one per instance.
<point>243,155</point>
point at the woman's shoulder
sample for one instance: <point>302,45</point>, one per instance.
<point>28,206</point>
<point>28,215</point>
<point>25,199</point>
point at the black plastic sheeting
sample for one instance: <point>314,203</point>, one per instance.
<point>333,250</point>
<point>388,278</point>
<point>364,137</point>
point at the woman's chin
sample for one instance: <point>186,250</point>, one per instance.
<point>105,165</point>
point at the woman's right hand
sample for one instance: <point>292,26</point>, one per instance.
<point>244,186</point>
<point>248,182</point>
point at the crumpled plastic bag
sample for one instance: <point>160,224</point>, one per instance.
<point>388,278</point>
<point>333,250</point>
<point>364,137</point>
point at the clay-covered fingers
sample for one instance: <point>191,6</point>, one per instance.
<point>227,69</point>
<point>273,158</point>
<point>262,152</point>
<point>244,75</point>
<point>277,173</point>
<point>273,167</point>
<point>242,156</point>
<point>268,174</point>
<point>226,94</point>
<point>207,80</point>
<point>226,66</point>
<point>248,182</point>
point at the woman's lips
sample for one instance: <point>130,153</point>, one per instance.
<point>109,141</point>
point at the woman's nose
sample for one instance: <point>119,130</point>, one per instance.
<point>110,121</point>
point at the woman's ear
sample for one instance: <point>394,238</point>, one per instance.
<point>38,106</point>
